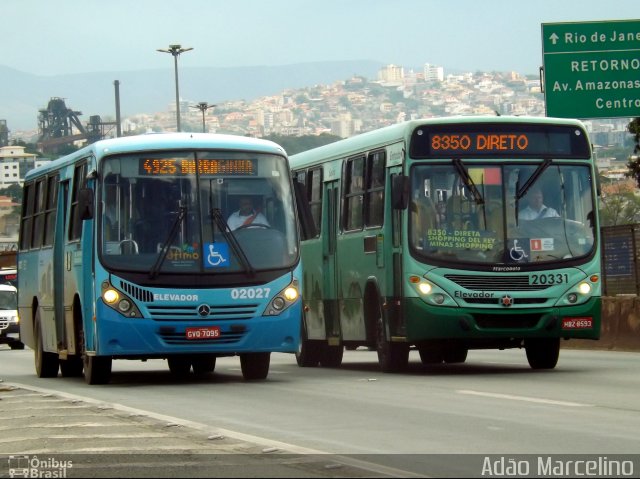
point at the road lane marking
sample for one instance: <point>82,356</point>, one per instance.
<point>523,398</point>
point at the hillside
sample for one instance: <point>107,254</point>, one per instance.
<point>22,95</point>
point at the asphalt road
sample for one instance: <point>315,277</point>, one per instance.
<point>494,404</point>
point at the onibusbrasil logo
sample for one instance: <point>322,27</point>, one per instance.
<point>34,466</point>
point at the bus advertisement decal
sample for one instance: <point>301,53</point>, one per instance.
<point>541,244</point>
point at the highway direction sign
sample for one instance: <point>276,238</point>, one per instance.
<point>592,69</point>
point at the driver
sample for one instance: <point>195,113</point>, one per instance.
<point>537,208</point>
<point>246,215</point>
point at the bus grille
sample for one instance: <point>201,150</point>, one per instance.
<point>231,312</point>
<point>498,301</point>
<point>179,338</point>
<point>495,283</point>
<point>519,321</point>
<point>136,292</point>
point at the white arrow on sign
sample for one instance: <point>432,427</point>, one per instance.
<point>554,38</point>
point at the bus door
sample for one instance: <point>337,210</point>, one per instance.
<point>58,262</point>
<point>329,261</point>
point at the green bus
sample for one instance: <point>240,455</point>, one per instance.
<point>450,234</point>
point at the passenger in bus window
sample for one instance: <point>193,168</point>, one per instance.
<point>246,216</point>
<point>536,208</point>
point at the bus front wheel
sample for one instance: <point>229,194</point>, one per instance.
<point>203,364</point>
<point>97,369</point>
<point>331,356</point>
<point>542,353</point>
<point>392,357</point>
<point>308,353</point>
<point>46,363</point>
<point>180,366</point>
<point>255,365</point>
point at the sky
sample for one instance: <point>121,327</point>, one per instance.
<point>60,37</point>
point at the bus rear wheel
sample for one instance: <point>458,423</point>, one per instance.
<point>255,365</point>
<point>46,363</point>
<point>542,353</point>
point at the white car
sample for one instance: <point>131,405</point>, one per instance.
<point>9,322</point>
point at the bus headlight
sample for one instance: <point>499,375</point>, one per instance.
<point>119,301</point>
<point>430,292</point>
<point>291,293</point>
<point>424,288</point>
<point>110,296</point>
<point>584,288</point>
<point>581,292</point>
<point>283,300</point>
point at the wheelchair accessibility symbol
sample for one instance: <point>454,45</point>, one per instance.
<point>516,252</point>
<point>216,255</point>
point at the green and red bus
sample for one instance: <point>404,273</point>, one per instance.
<point>426,240</point>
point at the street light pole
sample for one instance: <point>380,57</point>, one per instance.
<point>176,50</point>
<point>203,106</point>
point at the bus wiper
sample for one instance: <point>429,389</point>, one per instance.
<point>533,178</point>
<point>468,182</point>
<point>168,242</point>
<point>222,225</point>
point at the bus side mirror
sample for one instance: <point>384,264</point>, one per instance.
<point>400,192</point>
<point>85,203</point>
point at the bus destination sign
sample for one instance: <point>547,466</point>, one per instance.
<point>205,167</point>
<point>526,142</point>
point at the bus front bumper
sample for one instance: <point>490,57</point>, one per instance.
<point>137,337</point>
<point>428,322</point>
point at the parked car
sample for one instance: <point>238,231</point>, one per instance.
<point>9,321</point>
<point>9,276</point>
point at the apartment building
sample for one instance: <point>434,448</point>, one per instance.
<point>14,164</point>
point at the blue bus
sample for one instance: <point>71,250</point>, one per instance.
<point>125,252</point>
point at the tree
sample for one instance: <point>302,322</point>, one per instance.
<point>14,192</point>
<point>634,161</point>
<point>618,204</point>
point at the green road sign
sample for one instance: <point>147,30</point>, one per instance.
<point>592,69</point>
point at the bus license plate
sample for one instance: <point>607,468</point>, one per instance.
<point>577,323</point>
<point>203,332</point>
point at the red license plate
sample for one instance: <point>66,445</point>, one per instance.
<point>203,332</point>
<point>577,323</point>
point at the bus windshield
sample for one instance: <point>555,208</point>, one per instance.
<point>524,212</point>
<point>161,213</point>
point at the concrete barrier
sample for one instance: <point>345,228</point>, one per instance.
<point>620,326</point>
